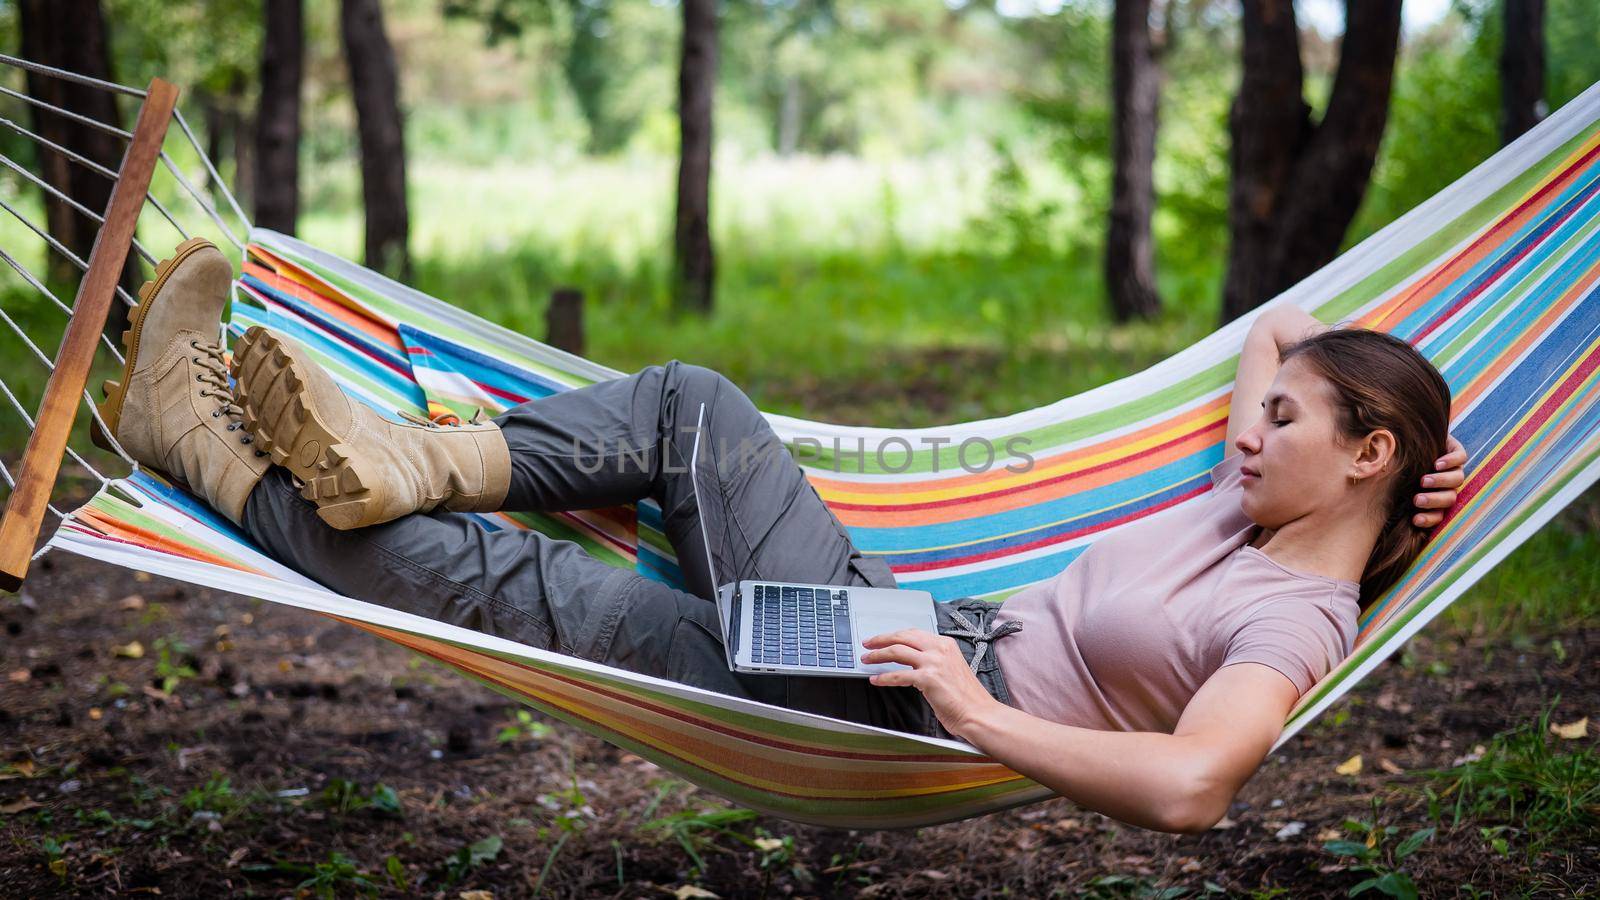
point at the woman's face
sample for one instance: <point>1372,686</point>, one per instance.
<point>1294,462</point>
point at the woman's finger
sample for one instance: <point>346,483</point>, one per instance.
<point>1455,455</point>
<point>911,637</point>
<point>1435,500</point>
<point>1427,519</point>
<point>895,653</point>
<point>1450,479</point>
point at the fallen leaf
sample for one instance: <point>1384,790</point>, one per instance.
<point>475,895</point>
<point>1329,834</point>
<point>1191,866</point>
<point>1351,766</point>
<point>19,675</point>
<point>934,875</point>
<point>247,618</point>
<point>131,602</point>
<point>1390,767</point>
<point>141,576</point>
<point>236,857</point>
<point>18,805</point>
<point>131,650</point>
<point>95,713</point>
<point>284,665</point>
<point>767,845</point>
<point>1572,731</point>
<point>693,892</point>
<point>1291,830</point>
<point>1223,824</point>
<point>58,867</point>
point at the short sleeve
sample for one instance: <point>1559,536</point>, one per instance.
<point>1297,637</point>
<point>1225,475</point>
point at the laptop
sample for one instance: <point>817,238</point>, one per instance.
<point>789,628</point>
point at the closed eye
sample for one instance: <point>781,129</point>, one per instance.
<point>1281,422</point>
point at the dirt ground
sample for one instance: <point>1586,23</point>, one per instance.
<point>351,763</point>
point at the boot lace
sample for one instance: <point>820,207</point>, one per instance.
<point>214,376</point>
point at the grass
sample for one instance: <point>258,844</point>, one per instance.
<point>1526,790</point>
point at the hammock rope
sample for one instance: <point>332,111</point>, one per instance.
<point>1494,280</point>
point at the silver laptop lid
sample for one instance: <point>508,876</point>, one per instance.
<point>694,486</point>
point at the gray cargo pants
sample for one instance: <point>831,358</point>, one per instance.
<point>607,444</point>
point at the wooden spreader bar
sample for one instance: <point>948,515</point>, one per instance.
<point>41,461</point>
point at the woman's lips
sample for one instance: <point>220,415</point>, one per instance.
<point>1248,472</point>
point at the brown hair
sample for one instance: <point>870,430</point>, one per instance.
<point>1380,381</point>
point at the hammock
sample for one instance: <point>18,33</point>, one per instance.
<point>1493,280</point>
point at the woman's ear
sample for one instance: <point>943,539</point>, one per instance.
<point>1374,456</point>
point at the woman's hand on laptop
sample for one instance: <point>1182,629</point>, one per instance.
<point>938,670</point>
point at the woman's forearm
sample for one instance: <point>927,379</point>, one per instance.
<point>1152,780</point>
<point>1287,324</point>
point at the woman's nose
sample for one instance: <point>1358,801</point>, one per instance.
<point>1248,441</point>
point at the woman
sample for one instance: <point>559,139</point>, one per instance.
<point>1255,588</point>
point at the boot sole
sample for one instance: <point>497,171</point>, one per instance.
<point>115,391</point>
<point>283,416</point>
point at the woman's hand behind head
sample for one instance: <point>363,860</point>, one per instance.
<point>1439,487</point>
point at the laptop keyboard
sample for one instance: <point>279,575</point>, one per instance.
<point>800,626</point>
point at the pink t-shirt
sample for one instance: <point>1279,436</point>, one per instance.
<point>1127,633</point>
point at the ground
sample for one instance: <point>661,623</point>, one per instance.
<point>287,740</point>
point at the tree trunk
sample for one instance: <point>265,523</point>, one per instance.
<point>71,35</point>
<point>1135,104</point>
<point>1521,68</point>
<point>276,183</point>
<point>1297,185</point>
<point>375,84</point>
<point>693,263</point>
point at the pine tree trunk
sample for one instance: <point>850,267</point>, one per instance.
<point>374,82</point>
<point>276,182</point>
<point>71,35</point>
<point>1135,104</point>
<point>1297,185</point>
<point>1521,68</point>
<point>694,265</point>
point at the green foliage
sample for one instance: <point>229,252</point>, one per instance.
<point>522,727</point>
<point>1374,854</point>
<point>344,797</point>
<point>338,875</point>
<point>216,796</point>
<point>698,831</point>
<point>1526,787</point>
<point>459,864</point>
<point>170,668</point>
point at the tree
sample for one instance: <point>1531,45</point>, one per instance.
<point>1297,183</point>
<point>375,85</point>
<point>1522,102</point>
<point>277,156</point>
<point>1135,102</point>
<point>694,265</point>
<point>71,35</point>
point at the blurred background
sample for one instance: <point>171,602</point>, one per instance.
<point>941,184</point>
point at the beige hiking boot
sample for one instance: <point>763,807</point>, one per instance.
<point>357,466</point>
<point>172,409</point>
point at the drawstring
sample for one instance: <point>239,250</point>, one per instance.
<point>981,639</point>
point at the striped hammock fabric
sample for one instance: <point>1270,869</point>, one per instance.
<point>1493,279</point>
